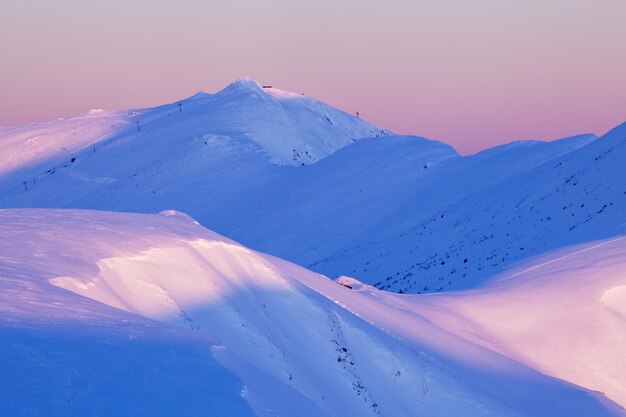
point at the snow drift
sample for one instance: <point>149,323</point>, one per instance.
<point>300,343</point>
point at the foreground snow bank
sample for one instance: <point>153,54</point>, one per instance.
<point>563,313</point>
<point>300,343</point>
<point>65,355</point>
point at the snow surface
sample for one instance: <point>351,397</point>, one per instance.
<point>65,355</point>
<point>99,311</point>
<point>463,238</point>
<point>387,210</point>
<point>561,313</point>
<point>300,343</point>
<point>291,131</point>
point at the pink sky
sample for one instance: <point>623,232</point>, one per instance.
<point>470,73</point>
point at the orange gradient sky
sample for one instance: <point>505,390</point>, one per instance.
<point>470,73</point>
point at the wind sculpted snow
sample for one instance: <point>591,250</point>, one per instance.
<point>163,286</point>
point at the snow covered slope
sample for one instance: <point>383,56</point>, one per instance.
<point>404,213</point>
<point>65,355</point>
<point>374,190</point>
<point>574,304</point>
<point>289,128</point>
<point>306,214</point>
<point>577,197</point>
<point>323,207</point>
<point>301,344</point>
<point>563,313</point>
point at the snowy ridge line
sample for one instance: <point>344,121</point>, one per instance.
<point>529,211</point>
<point>550,311</point>
<point>275,320</point>
<point>385,210</point>
<point>242,110</point>
<point>561,258</point>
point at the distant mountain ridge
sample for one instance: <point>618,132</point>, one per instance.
<point>573,198</point>
<point>288,175</point>
<point>292,129</point>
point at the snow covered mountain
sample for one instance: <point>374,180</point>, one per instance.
<point>373,191</point>
<point>286,128</point>
<point>101,310</point>
<point>403,213</point>
<point>575,198</point>
<point>116,307</point>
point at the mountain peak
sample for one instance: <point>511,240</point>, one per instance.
<point>244,84</point>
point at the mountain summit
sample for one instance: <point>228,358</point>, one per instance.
<point>293,128</point>
<point>289,128</point>
<point>243,84</point>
